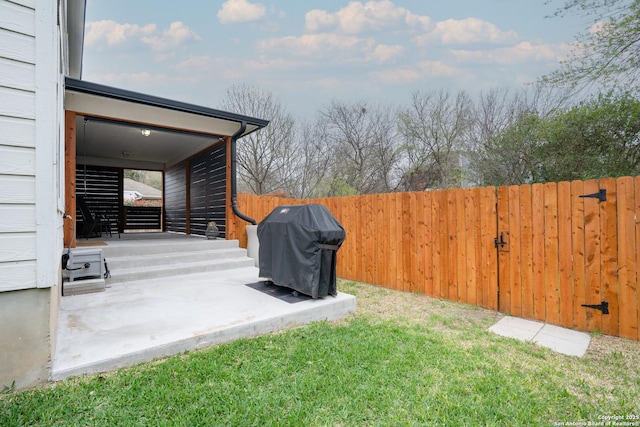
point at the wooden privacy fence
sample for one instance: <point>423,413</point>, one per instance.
<point>539,251</point>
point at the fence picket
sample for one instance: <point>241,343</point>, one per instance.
<point>460,235</point>
<point>441,261</point>
<point>565,252</point>
<point>537,226</point>
<point>420,245</point>
<point>427,204</point>
<point>637,227</point>
<point>452,246</point>
<point>627,262</point>
<point>526,251</point>
<point>408,247</point>
<point>489,253</point>
<point>472,236</point>
<point>609,247</point>
<point>551,261</point>
<point>504,290</point>
<point>578,250</point>
<point>592,255</point>
<point>515,283</point>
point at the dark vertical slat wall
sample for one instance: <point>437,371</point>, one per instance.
<point>100,188</point>
<point>175,198</point>
<point>208,190</point>
<point>200,185</point>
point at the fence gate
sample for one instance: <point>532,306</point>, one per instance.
<point>567,254</point>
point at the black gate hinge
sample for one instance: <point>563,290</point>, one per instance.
<point>604,307</point>
<point>600,195</point>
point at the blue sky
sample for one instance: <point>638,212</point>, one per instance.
<point>310,52</point>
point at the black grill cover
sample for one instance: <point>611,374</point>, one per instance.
<point>298,245</point>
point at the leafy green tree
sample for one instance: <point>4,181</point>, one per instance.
<point>597,138</point>
<point>508,157</point>
<point>608,52</point>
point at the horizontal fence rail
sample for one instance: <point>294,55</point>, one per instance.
<point>142,217</point>
<point>553,252</point>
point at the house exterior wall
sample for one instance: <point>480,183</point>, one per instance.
<point>31,192</point>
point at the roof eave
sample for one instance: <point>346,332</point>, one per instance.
<point>83,86</point>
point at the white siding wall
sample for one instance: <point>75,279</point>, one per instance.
<point>27,146</point>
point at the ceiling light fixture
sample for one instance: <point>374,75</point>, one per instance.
<point>145,132</point>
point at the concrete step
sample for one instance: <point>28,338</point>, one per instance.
<point>174,258</point>
<point>85,286</point>
<point>176,269</point>
<point>153,247</point>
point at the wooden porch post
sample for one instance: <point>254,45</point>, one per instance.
<point>69,174</point>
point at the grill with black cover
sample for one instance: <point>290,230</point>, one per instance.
<point>298,245</point>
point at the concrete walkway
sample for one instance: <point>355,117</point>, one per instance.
<point>145,319</point>
<point>562,340</point>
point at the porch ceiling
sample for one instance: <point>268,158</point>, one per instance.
<point>122,144</point>
<point>110,122</point>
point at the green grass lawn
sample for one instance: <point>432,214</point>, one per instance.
<point>403,359</point>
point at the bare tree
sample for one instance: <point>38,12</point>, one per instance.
<point>433,128</point>
<point>504,133</point>
<point>363,140</point>
<point>313,159</point>
<point>266,158</point>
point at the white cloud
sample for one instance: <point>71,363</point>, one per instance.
<point>385,53</point>
<point>358,17</point>
<point>265,63</point>
<point>197,62</point>
<point>238,11</point>
<point>422,70</point>
<point>176,35</point>
<point>521,53</point>
<point>465,31</point>
<point>318,45</point>
<point>310,49</point>
<point>396,76</point>
<point>114,33</point>
<point>436,69</point>
<point>317,20</point>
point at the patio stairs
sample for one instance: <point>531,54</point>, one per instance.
<point>147,260</point>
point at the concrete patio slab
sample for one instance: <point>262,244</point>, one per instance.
<point>138,321</point>
<point>562,340</point>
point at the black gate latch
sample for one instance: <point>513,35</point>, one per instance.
<point>500,242</point>
<point>604,307</point>
<point>600,195</point>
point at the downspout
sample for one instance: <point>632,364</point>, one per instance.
<point>234,198</point>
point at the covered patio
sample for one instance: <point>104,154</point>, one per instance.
<point>108,130</point>
<point>173,290</point>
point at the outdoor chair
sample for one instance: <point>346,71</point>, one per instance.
<point>93,225</point>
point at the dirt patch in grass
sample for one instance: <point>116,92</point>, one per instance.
<point>412,308</point>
